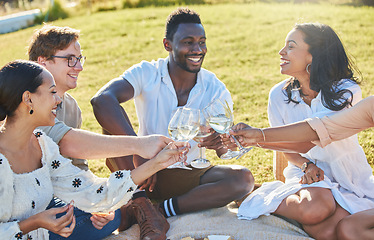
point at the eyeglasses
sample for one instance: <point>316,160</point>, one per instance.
<point>73,60</point>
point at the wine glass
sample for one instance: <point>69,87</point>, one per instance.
<point>183,127</point>
<point>188,124</point>
<point>173,124</point>
<point>202,133</point>
<point>173,132</point>
<point>221,119</point>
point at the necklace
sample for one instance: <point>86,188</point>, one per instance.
<point>306,97</point>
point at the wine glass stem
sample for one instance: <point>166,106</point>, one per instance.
<point>237,142</point>
<point>201,153</point>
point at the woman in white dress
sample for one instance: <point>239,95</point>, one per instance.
<point>32,170</point>
<point>296,137</point>
<point>323,185</point>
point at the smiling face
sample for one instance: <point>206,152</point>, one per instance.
<point>66,77</point>
<point>188,47</point>
<point>45,101</point>
<point>295,55</point>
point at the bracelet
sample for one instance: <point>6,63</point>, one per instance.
<point>263,134</point>
<point>258,145</point>
<point>305,166</point>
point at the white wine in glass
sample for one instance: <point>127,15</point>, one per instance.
<point>187,132</point>
<point>184,126</point>
<point>174,133</point>
<point>220,124</point>
<point>221,119</point>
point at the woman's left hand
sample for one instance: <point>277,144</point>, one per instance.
<point>99,220</point>
<point>312,174</point>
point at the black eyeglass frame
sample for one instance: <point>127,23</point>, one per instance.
<point>81,59</point>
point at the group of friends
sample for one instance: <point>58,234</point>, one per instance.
<point>48,192</point>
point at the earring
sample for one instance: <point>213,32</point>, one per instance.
<point>31,111</point>
<point>307,68</point>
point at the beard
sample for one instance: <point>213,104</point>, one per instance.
<point>184,66</point>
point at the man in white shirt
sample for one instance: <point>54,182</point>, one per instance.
<point>158,88</point>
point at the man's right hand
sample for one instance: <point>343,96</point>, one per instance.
<point>150,183</point>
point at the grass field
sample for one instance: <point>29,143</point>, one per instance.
<point>243,42</point>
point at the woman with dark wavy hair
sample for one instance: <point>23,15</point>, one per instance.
<point>322,132</point>
<point>320,188</point>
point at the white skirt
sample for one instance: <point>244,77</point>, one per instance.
<point>268,197</point>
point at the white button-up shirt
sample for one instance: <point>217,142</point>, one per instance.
<point>156,99</point>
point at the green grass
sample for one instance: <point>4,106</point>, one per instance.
<point>243,42</point>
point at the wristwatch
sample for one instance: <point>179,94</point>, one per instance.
<point>305,166</point>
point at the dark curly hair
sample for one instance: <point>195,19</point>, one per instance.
<point>15,78</point>
<point>330,65</point>
<point>179,16</point>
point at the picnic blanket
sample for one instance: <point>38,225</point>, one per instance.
<point>223,221</point>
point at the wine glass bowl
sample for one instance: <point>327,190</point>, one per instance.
<point>221,119</point>
<point>184,126</point>
<point>220,123</point>
<point>173,124</point>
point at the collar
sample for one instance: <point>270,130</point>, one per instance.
<point>297,97</point>
<point>165,77</point>
<point>59,106</point>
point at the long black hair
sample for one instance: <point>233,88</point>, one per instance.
<point>15,78</point>
<point>330,65</point>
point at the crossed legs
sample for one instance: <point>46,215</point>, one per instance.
<point>214,188</point>
<point>218,187</point>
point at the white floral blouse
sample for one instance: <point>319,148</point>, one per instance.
<point>24,195</point>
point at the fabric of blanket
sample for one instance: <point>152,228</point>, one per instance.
<point>223,221</point>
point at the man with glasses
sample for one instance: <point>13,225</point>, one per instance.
<point>72,60</point>
<point>58,50</point>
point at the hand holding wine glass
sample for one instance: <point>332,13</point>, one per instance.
<point>247,135</point>
<point>221,119</point>
<point>184,126</point>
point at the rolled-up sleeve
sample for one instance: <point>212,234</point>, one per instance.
<point>57,131</point>
<point>317,125</point>
<point>344,124</point>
